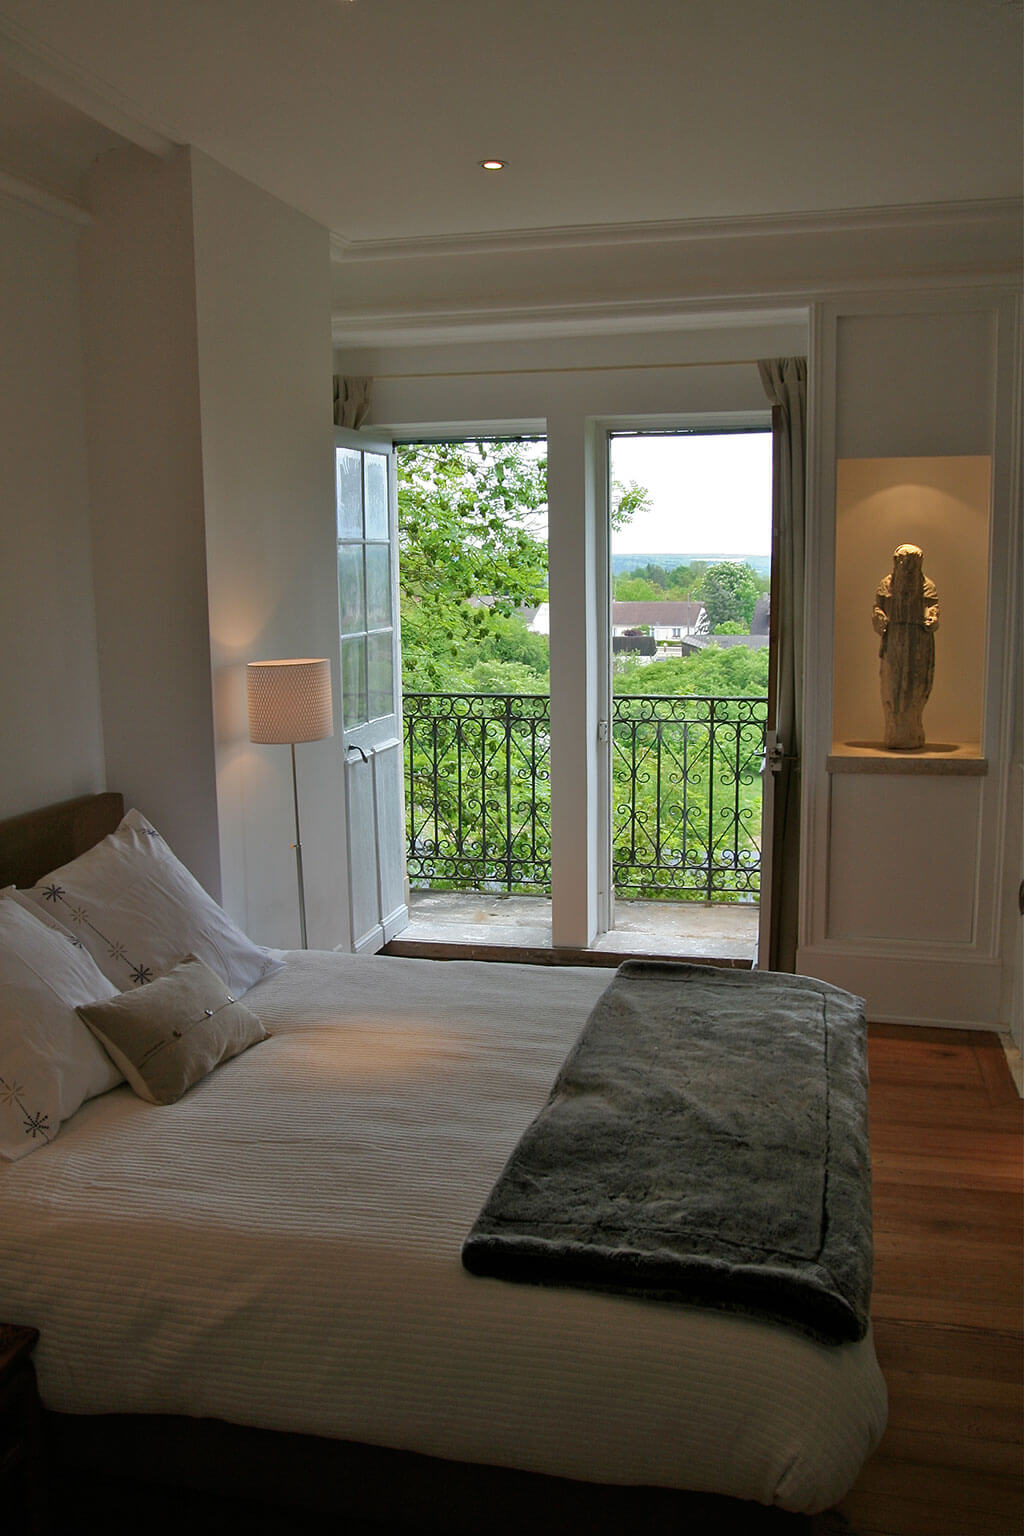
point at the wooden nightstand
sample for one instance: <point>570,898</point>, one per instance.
<point>21,1456</point>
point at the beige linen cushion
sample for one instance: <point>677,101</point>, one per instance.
<point>168,1035</point>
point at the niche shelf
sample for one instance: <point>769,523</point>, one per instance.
<point>942,505</point>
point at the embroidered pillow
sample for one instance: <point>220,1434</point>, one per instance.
<point>168,1036</point>
<point>138,912</point>
<point>49,1062</point>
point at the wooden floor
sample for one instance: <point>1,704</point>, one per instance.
<point>946,1124</point>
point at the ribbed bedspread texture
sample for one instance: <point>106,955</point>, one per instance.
<point>282,1248</point>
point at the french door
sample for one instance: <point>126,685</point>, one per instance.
<point>370,673</point>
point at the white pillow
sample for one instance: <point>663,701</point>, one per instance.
<point>139,912</point>
<point>49,1061</point>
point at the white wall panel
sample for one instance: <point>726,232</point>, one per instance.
<point>149,553</point>
<point>916,383</point>
<point>903,857</point>
<point>49,680</point>
<point>904,883</point>
<point>264,364</point>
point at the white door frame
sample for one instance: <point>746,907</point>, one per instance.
<point>605,428</point>
<point>372,758</point>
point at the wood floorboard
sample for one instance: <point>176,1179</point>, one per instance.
<point>946,1134</point>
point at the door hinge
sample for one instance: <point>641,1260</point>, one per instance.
<point>602,730</point>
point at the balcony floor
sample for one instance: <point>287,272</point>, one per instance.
<point>468,925</point>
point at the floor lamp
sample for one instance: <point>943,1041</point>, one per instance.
<point>290,701</point>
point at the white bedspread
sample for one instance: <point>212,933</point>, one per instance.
<point>281,1248</point>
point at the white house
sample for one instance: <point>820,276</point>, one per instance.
<point>664,621</point>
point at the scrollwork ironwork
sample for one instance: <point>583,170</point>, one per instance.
<point>686,790</point>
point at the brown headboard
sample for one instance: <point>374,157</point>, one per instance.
<point>37,841</point>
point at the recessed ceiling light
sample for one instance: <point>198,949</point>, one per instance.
<point>493,165</point>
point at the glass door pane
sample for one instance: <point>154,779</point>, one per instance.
<point>352,600</point>
<point>691,521</point>
<point>378,586</point>
<point>376,494</point>
<point>349,478</point>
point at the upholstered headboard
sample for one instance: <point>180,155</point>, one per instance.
<point>37,841</point>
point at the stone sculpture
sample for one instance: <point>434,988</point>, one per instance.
<point>906,615</point>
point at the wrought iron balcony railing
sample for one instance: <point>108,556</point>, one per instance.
<point>686,774</point>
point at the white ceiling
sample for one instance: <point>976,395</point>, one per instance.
<point>371,115</point>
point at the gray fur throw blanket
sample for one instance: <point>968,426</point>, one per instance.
<point>706,1142</point>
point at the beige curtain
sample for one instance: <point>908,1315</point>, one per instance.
<point>785,383</point>
<point>351,400</point>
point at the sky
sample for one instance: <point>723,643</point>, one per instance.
<point>710,494</point>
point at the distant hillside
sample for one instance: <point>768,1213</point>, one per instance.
<point>620,563</point>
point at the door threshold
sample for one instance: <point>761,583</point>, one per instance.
<point>466,925</point>
<point>519,954</point>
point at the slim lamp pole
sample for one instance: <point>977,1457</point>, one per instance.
<point>290,701</point>
<point>298,855</point>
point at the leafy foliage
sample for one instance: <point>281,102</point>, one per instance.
<point>627,501</point>
<point>660,585</point>
<point>471,519</point>
<point>729,591</point>
<point>637,589</point>
<point>714,672</point>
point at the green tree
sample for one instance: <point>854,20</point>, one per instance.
<point>716,671</point>
<point>508,639</point>
<point>494,676</point>
<point>655,574</point>
<point>471,524</point>
<point>728,591</point>
<point>627,501</point>
<point>683,579</point>
<point>630,588</point>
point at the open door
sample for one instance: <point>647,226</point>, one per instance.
<point>370,672</point>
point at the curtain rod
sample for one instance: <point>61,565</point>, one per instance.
<point>504,373</point>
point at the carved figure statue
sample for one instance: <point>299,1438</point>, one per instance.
<point>906,615</point>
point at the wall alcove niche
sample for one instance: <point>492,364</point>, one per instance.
<point>941,505</point>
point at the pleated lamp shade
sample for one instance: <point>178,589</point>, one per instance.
<point>289,700</point>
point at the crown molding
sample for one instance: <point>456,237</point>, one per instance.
<point>897,217</point>
<point>21,190</point>
<point>556,321</point>
<point>87,93</point>
<point>434,326</point>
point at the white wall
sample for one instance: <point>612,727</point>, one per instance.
<point>143,416</point>
<point>49,686</point>
<point>209,403</point>
<point>904,879</point>
<point>264,348</point>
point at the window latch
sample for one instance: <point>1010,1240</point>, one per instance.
<point>774,752</point>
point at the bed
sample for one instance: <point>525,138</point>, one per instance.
<point>258,1287</point>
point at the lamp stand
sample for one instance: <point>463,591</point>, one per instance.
<point>298,855</point>
<point>290,701</point>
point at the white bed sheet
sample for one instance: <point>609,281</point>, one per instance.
<point>282,1248</point>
